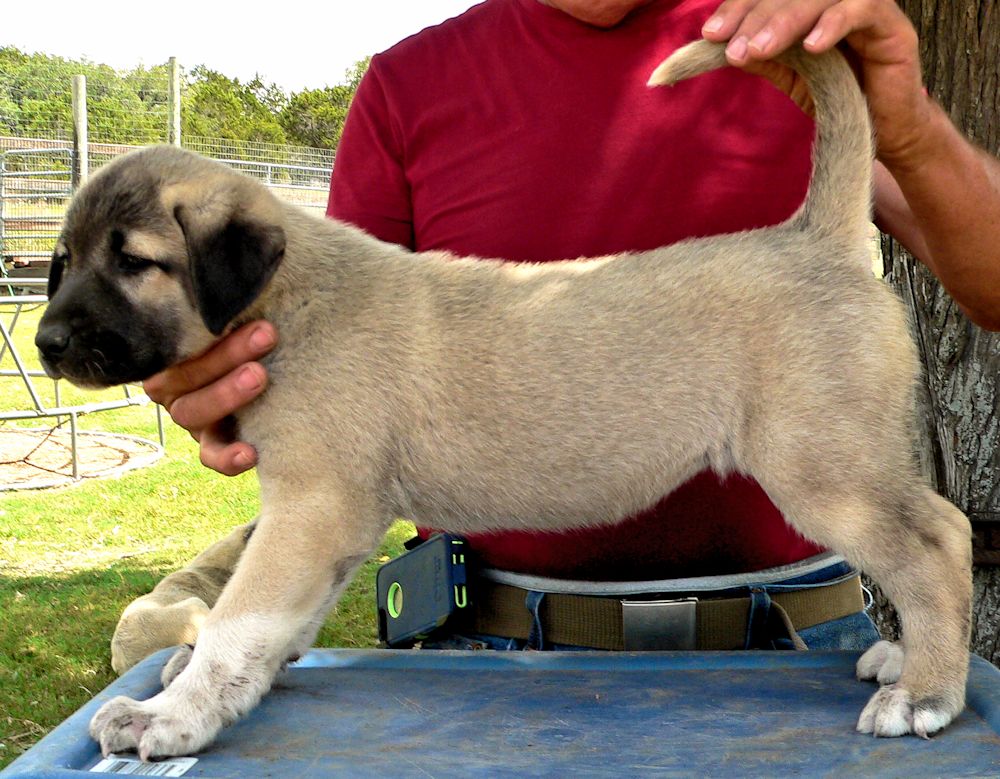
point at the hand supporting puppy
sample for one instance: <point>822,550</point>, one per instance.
<point>201,394</point>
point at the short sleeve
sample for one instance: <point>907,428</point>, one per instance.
<point>368,187</point>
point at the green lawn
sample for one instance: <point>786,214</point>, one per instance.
<point>72,558</point>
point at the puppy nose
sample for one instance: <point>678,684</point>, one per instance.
<point>52,340</point>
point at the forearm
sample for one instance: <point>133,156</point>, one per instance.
<point>942,202</point>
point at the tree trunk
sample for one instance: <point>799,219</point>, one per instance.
<point>960,51</point>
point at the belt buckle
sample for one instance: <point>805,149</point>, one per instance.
<point>660,624</point>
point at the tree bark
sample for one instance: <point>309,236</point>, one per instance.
<point>960,439</point>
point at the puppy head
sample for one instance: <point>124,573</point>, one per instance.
<point>159,253</point>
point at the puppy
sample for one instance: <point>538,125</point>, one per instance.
<point>476,395</point>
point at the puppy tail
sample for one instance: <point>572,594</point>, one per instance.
<point>839,197</point>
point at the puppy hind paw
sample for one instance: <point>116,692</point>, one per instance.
<point>888,713</point>
<point>929,718</point>
<point>883,663</point>
<point>891,712</point>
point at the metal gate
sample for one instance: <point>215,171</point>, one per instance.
<point>34,190</point>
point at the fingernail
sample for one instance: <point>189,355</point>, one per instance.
<point>713,25</point>
<point>761,41</point>
<point>814,37</point>
<point>737,49</point>
<point>243,461</point>
<point>247,379</point>
<point>262,339</point>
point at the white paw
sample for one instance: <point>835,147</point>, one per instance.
<point>890,712</point>
<point>153,728</point>
<point>177,663</point>
<point>883,662</point>
<point>928,720</point>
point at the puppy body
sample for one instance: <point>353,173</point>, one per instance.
<point>478,395</point>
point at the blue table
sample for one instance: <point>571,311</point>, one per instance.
<point>580,714</point>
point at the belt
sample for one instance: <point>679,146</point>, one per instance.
<point>718,623</point>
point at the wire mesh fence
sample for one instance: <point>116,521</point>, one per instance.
<point>44,136</point>
<point>36,100</point>
<point>299,174</point>
<point>123,110</point>
<point>34,191</point>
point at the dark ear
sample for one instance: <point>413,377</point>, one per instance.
<point>231,260</point>
<point>55,275</point>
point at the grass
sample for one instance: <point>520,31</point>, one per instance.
<point>72,558</point>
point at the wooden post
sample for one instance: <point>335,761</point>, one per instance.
<point>174,103</point>
<point>81,151</point>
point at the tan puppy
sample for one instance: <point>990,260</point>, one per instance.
<point>476,395</point>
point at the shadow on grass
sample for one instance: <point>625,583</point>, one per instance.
<point>55,633</point>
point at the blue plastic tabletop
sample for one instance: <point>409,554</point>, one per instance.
<point>425,714</point>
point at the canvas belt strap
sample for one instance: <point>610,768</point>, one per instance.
<point>599,622</point>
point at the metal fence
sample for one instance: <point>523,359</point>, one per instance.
<point>62,134</point>
<point>37,102</point>
<point>34,190</point>
<point>36,184</point>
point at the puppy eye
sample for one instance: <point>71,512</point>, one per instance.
<point>132,264</point>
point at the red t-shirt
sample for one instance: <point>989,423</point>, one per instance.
<point>516,131</point>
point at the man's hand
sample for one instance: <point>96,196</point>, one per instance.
<point>877,32</point>
<point>201,394</point>
<point>937,193</point>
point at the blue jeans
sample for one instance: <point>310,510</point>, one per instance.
<point>852,632</point>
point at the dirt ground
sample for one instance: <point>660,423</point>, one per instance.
<point>31,459</point>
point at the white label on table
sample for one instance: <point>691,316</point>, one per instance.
<point>121,765</point>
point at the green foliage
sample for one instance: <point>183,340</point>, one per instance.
<point>36,97</point>
<point>315,117</point>
<point>216,106</point>
<point>130,107</point>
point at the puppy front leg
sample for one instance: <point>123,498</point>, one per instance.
<point>295,565</point>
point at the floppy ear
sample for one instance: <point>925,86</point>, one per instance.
<point>232,256</point>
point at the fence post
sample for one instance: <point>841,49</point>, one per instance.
<point>174,103</point>
<point>3,184</point>
<point>81,151</point>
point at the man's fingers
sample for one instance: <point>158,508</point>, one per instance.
<point>220,453</point>
<point>721,25</point>
<point>207,406</point>
<point>248,343</point>
<point>759,29</point>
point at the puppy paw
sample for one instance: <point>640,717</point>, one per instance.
<point>883,663</point>
<point>147,626</point>
<point>177,663</point>
<point>888,713</point>
<point>150,728</point>
<point>891,712</point>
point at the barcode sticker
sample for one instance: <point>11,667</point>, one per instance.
<point>120,765</point>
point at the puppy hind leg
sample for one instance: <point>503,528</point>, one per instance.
<point>918,550</point>
<point>930,583</point>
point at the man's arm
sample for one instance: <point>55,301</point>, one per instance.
<point>944,206</point>
<point>934,190</point>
